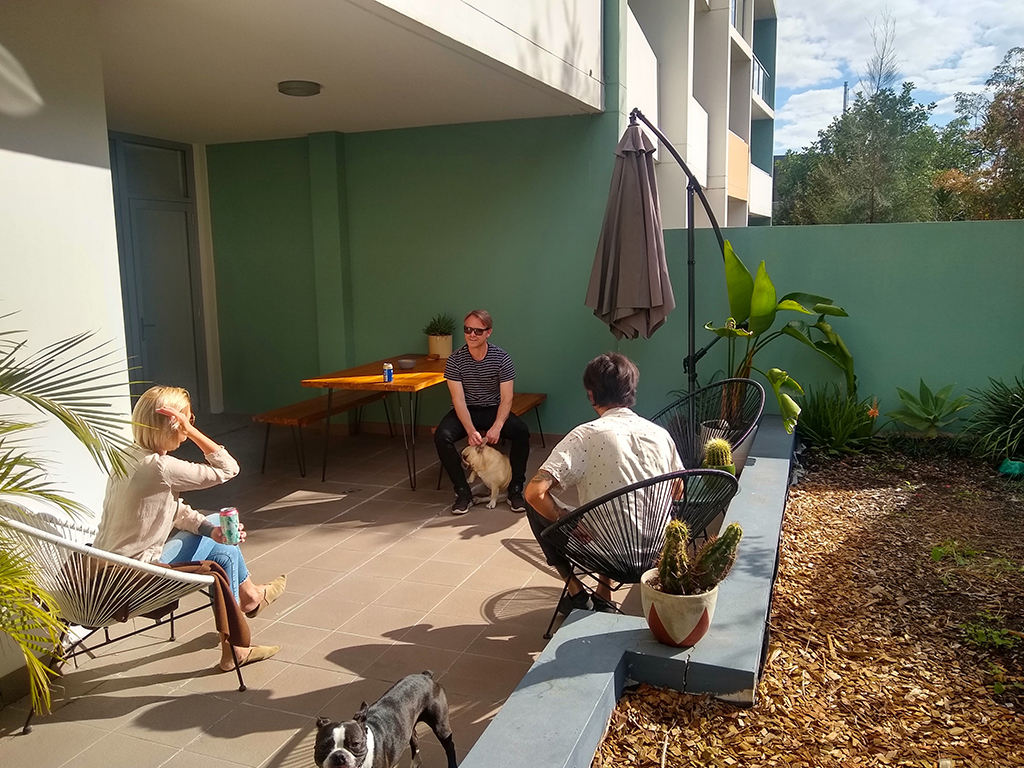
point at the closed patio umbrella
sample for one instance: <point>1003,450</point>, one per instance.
<point>629,286</point>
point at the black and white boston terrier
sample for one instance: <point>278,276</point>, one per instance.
<point>377,735</point>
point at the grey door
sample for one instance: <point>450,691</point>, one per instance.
<point>158,246</point>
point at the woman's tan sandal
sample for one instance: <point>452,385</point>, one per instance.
<point>271,592</point>
<point>256,653</point>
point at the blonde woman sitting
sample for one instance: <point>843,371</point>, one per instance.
<point>141,509</point>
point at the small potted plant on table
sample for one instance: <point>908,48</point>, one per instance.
<point>439,335</point>
<point>679,595</point>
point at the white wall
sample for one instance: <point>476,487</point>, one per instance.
<point>760,195</point>
<point>557,42</point>
<point>642,77</point>
<point>58,247</point>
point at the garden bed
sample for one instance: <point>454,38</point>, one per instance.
<point>897,631</point>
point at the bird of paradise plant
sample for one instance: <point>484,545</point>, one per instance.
<point>71,381</point>
<point>754,306</point>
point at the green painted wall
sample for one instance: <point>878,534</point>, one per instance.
<point>762,140</point>
<point>263,245</point>
<point>938,300</point>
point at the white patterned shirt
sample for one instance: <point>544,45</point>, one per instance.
<point>615,450</point>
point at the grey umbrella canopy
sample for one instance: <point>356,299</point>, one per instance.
<point>629,287</point>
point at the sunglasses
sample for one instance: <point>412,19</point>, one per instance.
<point>469,331</point>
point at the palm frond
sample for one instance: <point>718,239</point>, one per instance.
<point>26,477</point>
<point>71,380</point>
<point>28,615</point>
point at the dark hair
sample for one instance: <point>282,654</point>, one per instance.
<point>480,314</point>
<point>611,380</point>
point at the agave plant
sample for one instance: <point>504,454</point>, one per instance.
<point>754,306</point>
<point>72,381</point>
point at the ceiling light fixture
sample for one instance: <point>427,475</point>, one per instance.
<point>298,87</point>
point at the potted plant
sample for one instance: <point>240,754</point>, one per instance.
<point>679,595</point>
<point>439,335</point>
<point>71,382</point>
<point>718,455</point>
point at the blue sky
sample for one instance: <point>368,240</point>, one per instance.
<point>943,46</point>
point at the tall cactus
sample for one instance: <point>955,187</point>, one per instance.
<point>674,564</point>
<point>714,560</point>
<point>717,453</point>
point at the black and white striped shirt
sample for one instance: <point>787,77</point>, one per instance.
<point>481,379</point>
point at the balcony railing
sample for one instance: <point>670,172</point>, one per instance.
<point>760,80</point>
<point>736,9</point>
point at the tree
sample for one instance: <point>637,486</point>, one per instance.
<point>874,163</point>
<point>992,186</point>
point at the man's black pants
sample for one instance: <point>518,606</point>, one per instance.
<point>450,431</point>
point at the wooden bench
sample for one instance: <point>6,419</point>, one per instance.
<point>522,402</point>
<point>307,412</point>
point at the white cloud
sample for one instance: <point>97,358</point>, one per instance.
<point>943,47</point>
<point>798,121</point>
<point>819,39</point>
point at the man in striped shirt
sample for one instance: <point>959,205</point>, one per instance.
<point>480,379</point>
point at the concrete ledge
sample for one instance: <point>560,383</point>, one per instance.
<point>560,709</point>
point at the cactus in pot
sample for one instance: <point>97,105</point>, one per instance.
<point>680,575</point>
<point>718,455</point>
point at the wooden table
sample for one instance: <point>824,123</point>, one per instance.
<point>423,375</point>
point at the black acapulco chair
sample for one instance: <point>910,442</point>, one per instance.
<point>621,535</point>
<point>729,409</point>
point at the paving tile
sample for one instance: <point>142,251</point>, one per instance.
<point>299,690</point>
<point>340,560</point>
<point>113,703</point>
<point>362,588</point>
<point>440,631</point>
<point>438,572</point>
<point>369,541</point>
<point>180,720</point>
<point>382,621</point>
<point>465,552</point>
<point>389,566</point>
<point>248,735</point>
<point>489,578</point>
<point>411,546</point>
<point>465,603</point>
<point>294,639</point>
<point>414,595</point>
<point>352,696</point>
<point>482,678</point>
<point>119,750</point>
<point>403,659</point>
<point>345,652</point>
<point>188,760</point>
<point>51,743</point>
<point>310,581</point>
<point>323,611</point>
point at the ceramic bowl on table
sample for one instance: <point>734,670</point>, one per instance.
<point>406,363</point>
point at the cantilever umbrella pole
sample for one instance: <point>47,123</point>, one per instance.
<point>692,187</point>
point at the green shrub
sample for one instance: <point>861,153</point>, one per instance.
<point>996,428</point>
<point>928,412</point>
<point>835,423</point>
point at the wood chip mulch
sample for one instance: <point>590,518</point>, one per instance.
<point>897,632</point>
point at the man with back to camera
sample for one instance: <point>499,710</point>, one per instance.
<point>480,379</point>
<point>615,450</point>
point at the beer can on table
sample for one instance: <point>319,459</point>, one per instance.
<point>229,524</point>
<point>389,373</point>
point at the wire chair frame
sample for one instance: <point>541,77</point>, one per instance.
<point>93,588</point>
<point>620,535</point>
<point>728,409</point>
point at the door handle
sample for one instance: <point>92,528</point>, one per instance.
<point>146,325</point>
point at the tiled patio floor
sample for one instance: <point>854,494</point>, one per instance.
<point>382,582</point>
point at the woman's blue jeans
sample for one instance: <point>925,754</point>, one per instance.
<point>185,547</point>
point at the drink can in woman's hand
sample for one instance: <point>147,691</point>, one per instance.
<point>229,525</point>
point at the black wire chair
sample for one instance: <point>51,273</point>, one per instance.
<point>620,535</point>
<point>729,409</point>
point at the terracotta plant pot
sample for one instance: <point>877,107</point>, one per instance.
<point>678,621</point>
<point>440,346</point>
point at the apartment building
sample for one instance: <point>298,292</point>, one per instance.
<point>715,70</point>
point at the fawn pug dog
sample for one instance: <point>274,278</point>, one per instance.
<point>491,466</point>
